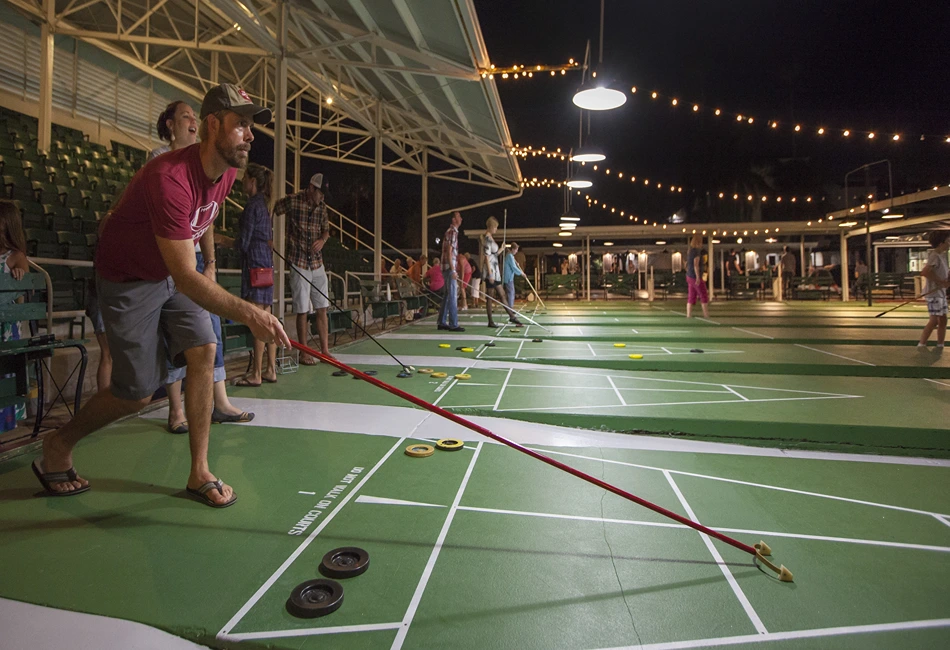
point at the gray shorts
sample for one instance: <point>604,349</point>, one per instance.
<point>140,317</point>
<point>305,297</point>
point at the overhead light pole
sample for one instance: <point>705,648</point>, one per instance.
<point>596,94</point>
<point>867,215</point>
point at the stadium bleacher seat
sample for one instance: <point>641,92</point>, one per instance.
<point>75,244</point>
<point>42,243</point>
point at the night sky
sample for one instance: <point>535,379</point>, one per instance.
<point>868,65</point>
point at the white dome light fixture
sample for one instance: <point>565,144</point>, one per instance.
<point>589,154</point>
<point>579,183</point>
<point>598,98</point>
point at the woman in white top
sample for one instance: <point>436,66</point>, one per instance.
<point>491,271</point>
<point>178,126</point>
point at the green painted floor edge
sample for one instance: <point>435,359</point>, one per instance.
<point>829,370</point>
<point>870,439</point>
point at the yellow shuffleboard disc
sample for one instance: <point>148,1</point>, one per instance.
<point>444,345</point>
<point>419,451</point>
<point>438,375</point>
<point>468,349</point>
<point>636,356</point>
<point>463,375</point>
<point>449,444</point>
<point>425,371</point>
<point>620,345</point>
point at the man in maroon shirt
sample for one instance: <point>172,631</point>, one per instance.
<point>150,291</point>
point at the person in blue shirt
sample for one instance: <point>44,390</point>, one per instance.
<point>509,273</point>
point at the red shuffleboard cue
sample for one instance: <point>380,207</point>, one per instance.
<point>758,551</point>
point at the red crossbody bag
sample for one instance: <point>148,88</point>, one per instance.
<point>262,277</point>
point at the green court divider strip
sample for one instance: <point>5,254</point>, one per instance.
<point>845,438</point>
<point>771,368</point>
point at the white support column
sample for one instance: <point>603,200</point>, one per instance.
<point>378,198</point>
<point>845,276</point>
<point>297,145</point>
<point>45,120</point>
<point>710,265</point>
<point>804,270</point>
<point>280,151</point>
<point>588,268</point>
<point>425,203</point>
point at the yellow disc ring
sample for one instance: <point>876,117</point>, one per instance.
<point>425,371</point>
<point>468,349</point>
<point>438,375</point>
<point>444,345</point>
<point>636,356</point>
<point>620,345</point>
<point>419,451</point>
<point>449,444</point>
<point>463,375</point>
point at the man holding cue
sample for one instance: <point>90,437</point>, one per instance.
<point>151,294</point>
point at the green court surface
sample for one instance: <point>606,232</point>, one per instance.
<point>488,548</point>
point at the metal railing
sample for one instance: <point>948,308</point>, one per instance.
<point>354,237</point>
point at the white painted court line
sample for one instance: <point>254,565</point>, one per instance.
<point>614,386</point>
<point>502,391</point>
<point>579,330</point>
<point>340,629</point>
<point>788,636</point>
<point>736,589</point>
<point>591,347</point>
<point>739,329</point>
<point>610,406</point>
<point>935,381</point>
<point>743,531</point>
<point>747,483</point>
<point>310,493</point>
<point>518,351</point>
<point>742,397</point>
<point>383,501</point>
<point>434,556</point>
<point>833,354</point>
<point>303,545</point>
<point>943,520</point>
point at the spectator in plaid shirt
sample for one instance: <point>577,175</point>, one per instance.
<point>308,229</point>
<point>449,311</point>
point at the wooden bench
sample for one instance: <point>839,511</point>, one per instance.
<point>561,285</point>
<point>813,287</point>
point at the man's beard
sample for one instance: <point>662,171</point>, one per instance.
<point>232,154</point>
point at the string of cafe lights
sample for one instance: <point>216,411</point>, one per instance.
<point>516,71</point>
<point>557,153</point>
<point>781,125</point>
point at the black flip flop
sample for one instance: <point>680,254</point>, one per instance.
<point>48,478</point>
<point>201,494</point>
<point>181,427</point>
<point>217,417</point>
<point>243,381</point>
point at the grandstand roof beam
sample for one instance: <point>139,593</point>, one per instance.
<point>167,42</point>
